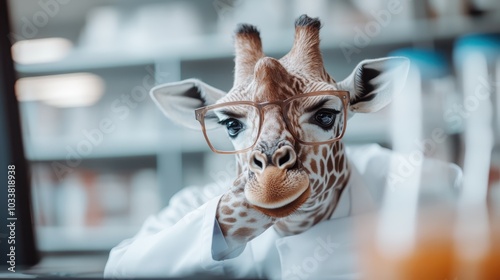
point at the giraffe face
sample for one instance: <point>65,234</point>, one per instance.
<point>284,175</point>
<point>277,167</point>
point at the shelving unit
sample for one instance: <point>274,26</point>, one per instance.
<point>151,145</point>
<point>208,57</point>
<point>82,239</point>
<point>220,45</point>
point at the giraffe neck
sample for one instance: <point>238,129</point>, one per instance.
<point>240,222</point>
<point>327,186</point>
<point>305,218</point>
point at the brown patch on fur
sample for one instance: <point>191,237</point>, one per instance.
<point>251,220</point>
<point>338,167</point>
<point>331,181</point>
<point>312,215</point>
<point>236,204</point>
<point>316,149</point>
<point>225,228</point>
<point>304,224</point>
<point>318,218</point>
<point>243,214</point>
<point>282,226</point>
<point>335,148</point>
<point>329,212</point>
<point>324,152</point>
<point>244,232</point>
<point>329,166</point>
<point>238,181</point>
<point>314,166</point>
<point>226,210</point>
<point>341,179</point>
<point>315,185</point>
<point>324,196</point>
<point>238,191</point>
<point>229,220</point>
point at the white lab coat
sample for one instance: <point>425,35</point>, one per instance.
<point>177,241</point>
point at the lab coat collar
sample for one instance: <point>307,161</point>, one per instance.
<point>355,198</point>
<point>310,255</point>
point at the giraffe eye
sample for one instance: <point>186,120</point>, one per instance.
<point>325,118</point>
<point>233,126</point>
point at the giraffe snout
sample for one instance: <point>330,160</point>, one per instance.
<point>283,158</point>
<point>278,186</point>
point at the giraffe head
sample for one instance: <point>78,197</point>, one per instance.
<point>289,149</point>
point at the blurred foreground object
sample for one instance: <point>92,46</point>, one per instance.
<point>426,231</point>
<point>435,253</point>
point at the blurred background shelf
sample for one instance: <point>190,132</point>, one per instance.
<point>106,56</point>
<point>83,239</point>
<point>217,46</point>
<point>60,149</point>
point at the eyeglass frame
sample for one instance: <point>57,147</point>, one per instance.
<point>200,117</point>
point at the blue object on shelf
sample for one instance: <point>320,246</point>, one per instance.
<point>431,64</point>
<point>486,43</point>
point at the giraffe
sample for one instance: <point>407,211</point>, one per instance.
<point>281,182</point>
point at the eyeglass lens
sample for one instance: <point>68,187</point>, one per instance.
<point>311,119</point>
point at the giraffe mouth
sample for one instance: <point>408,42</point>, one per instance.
<point>277,192</point>
<point>286,210</point>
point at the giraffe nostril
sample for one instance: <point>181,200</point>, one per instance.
<point>284,159</point>
<point>257,162</point>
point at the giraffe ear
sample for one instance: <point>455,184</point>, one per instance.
<point>178,100</point>
<point>374,81</point>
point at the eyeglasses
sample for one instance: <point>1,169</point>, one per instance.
<point>313,119</point>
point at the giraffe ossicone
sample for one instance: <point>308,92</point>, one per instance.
<point>283,179</point>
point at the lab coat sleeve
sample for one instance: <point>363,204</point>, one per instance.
<point>175,243</point>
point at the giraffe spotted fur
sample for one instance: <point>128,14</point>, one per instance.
<point>277,163</point>
<point>259,78</point>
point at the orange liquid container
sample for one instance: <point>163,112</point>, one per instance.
<point>433,254</point>
<point>490,266</point>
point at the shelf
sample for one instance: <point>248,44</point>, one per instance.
<point>276,42</point>
<point>82,239</point>
<point>62,148</point>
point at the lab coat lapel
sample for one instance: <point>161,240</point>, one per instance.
<point>328,249</point>
<point>356,198</point>
<point>360,197</point>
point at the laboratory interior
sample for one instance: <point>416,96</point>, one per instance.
<point>103,157</point>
